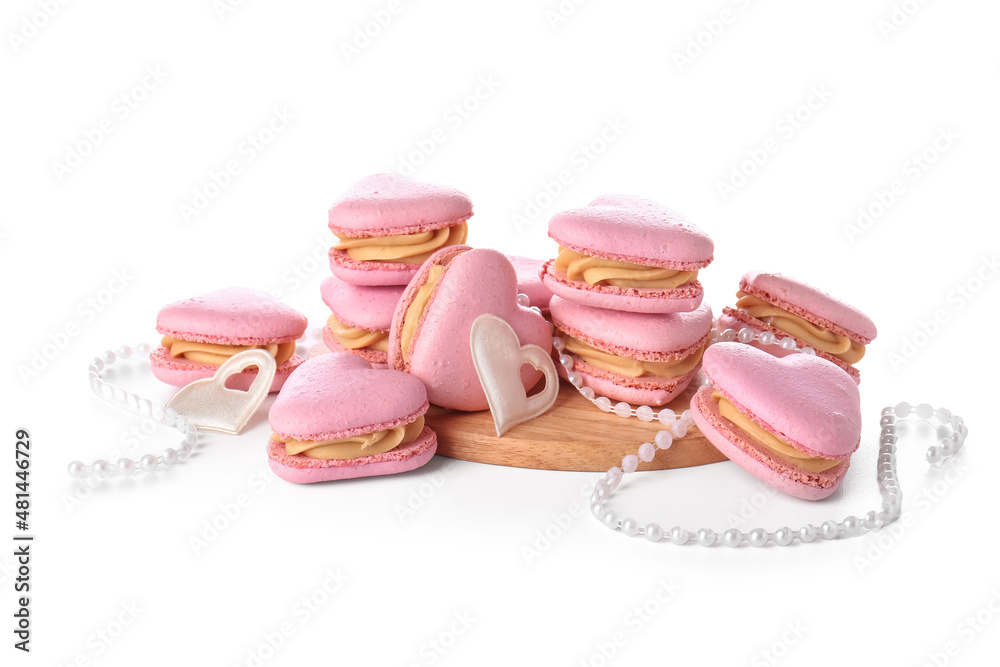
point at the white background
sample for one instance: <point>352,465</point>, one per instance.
<point>556,86</point>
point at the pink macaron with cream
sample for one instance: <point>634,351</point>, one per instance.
<point>641,358</point>
<point>201,333</point>
<point>628,253</point>
<point>838,332</point>
<point>338,418</point>
<point>792,422</point>
<point>387,225</point>
<point>360,318</point>
<point>432,323</point>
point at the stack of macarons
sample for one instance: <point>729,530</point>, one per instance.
<point>627,303</point>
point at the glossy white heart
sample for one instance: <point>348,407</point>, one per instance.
<point>498,356</point>
<point>209,404</point>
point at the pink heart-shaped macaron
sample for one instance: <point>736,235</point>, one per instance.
<point>473,282</point>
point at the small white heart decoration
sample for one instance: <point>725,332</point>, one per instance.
<point>209,404</point>
<point>498,356</point>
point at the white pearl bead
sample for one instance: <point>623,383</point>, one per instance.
<point>706,537</point>
<point>575,379</point>
<point>124,352</point>
<point>614,473</point>
<point>653,532</point>
<point>757,537</point>
<point>523,300</point>
<point>933,455</point>
<point>597,509</point>
<point>830,529</point>
<point>680,428</point>
<point>886,420</point>
<point>76,468</point>
<point>679,535</point>
<point>746,335</point>
<point>184,450</point>
<point>903,409</point>
<point>732,537</point>
<point>623,409</point>
<point>647,451</point>
<point>604,403</point>
<point>109,357</point>
<point>143,348</point>
<point>948,446</point>
<point>664,439</point>
<point>962,430</point>
<point>783,536</point>
<point>728,335</point>
<point>588,393</point>
<point>666,416</point>
<point>644,413</point>
<point>870,521</point>
<point>788,344</point>
<point>956,421</point>
<point>630,527</point>
<point>852,525</point>
<point>808,351</point>
<point>169,416</point>
<point>126,467</point>
<point>610,519</point>
<point>630,463</point>
<point>170,456</point>
<point>943,415</point>
<point>807,534</point>
<point>924,411</point>
<point>558,344</point>
<point>101,467</point>
<point>566,361</point>
<point>767,338</point>
<point>148,463</point>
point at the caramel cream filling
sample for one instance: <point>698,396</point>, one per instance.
<point>365,444</point>
<point>600,271</point>
<point>216,355</point>
<point>632,368</point>
<point>832,343</point>
<point>354,338</point>
<point>404,248</point>
<point>771,442</point>
<point>411,318</point>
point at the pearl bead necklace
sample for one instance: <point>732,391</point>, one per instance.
<point>851,526</point>
<point>140,406</point>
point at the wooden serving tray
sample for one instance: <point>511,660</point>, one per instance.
<point>573,435</point>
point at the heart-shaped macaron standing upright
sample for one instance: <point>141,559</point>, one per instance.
<point>430,331</point>
<point>219,325</point>
<point>811,406</point>
<point>340,396</point>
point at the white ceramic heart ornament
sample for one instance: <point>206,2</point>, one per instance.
<point>498,356</point>
<point>209,404</point>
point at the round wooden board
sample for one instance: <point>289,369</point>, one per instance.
<point>573,435</point>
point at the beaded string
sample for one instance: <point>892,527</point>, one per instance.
<point>677,427</point>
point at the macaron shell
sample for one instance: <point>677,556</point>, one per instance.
<point>370,273</point>
<point>389,204</point>
<point>633,229</point>
<point>732,318</point>
<point>615,387</point>
<point>231,316</point>
<point>653,337</point>
<point>529,281</point>
<point>361,306</point>
<point>474,282</point>
<point>181,372</point>
<point>811,404</point>
<point>304,470</point>
<point>338,395</point>
<point>377,358</point>
<point>678,300</point>
<point>758,462</point>
<point>811,304</point>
